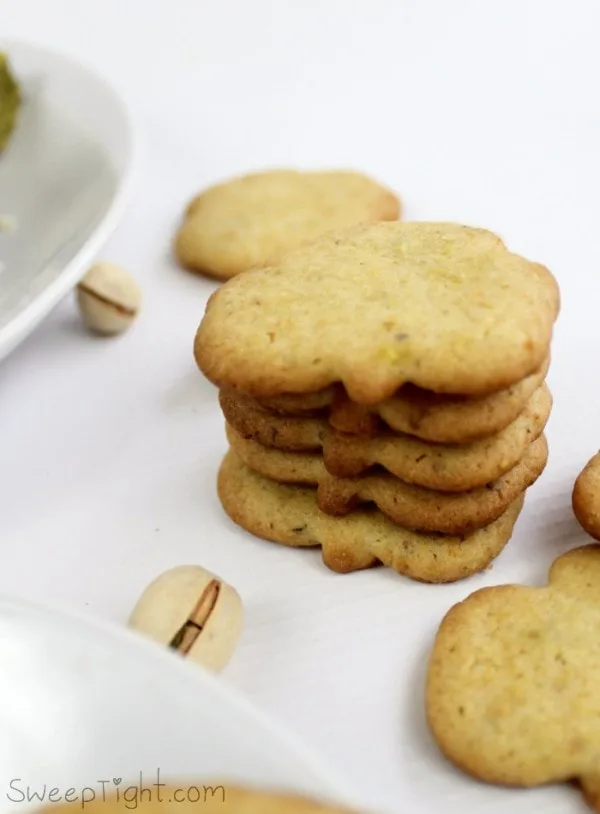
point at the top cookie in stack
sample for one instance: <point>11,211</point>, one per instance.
<point>399,365</point>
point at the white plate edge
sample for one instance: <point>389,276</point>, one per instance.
<point>191,673</point>
<point>26,322</point>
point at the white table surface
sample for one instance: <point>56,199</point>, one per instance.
<point>480,112</point>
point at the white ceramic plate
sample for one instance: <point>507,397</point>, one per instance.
<point>65,178</point>
<point>84,704</point>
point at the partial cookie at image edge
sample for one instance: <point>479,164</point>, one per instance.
<point>586,497</point>
<point>211,795</point>
<point>510,694</point>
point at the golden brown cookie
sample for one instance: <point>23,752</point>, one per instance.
<point>425,510</point>
<point>289,515</point>
<point>453,419</point>
<point>435,466</point>
<point>586,497</point>
<point>444,468</point>
<point>430,416</point>
<point>512,686</point>
<point>305,468</point>
<point>209,797</point>
<point>254,220</point>
<point>278,431</point>
<point>446,307</point>
<point>299,404</point>
<point>349,417</point>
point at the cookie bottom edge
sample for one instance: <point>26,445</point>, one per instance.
<point>289,515</point>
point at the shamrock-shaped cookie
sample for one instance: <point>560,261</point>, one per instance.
<point>446,307</point>
<point>513,683</point>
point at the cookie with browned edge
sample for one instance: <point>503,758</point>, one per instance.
<point>410,506</point>
<point>448,308</point>
<point>285,447</point>
<point>290,515</point>
<point>512,683</point>
<point>444,419</point>
<point>291,433</point>
<point>586,497</point>
<point>255,219</point>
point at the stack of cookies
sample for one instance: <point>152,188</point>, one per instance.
<point>384,395</point>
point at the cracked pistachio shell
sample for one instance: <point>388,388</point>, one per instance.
<point>109,299</point>
<point>168,603</point>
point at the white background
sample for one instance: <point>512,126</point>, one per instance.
<point>480,112</point>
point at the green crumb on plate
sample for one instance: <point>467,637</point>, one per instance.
<point>10,102</point>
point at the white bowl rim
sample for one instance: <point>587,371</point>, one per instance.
<point>184,673</point>
<point>40,307</point>
<point>189,676</point>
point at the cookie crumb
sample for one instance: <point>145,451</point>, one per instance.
<point>8,223</point>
